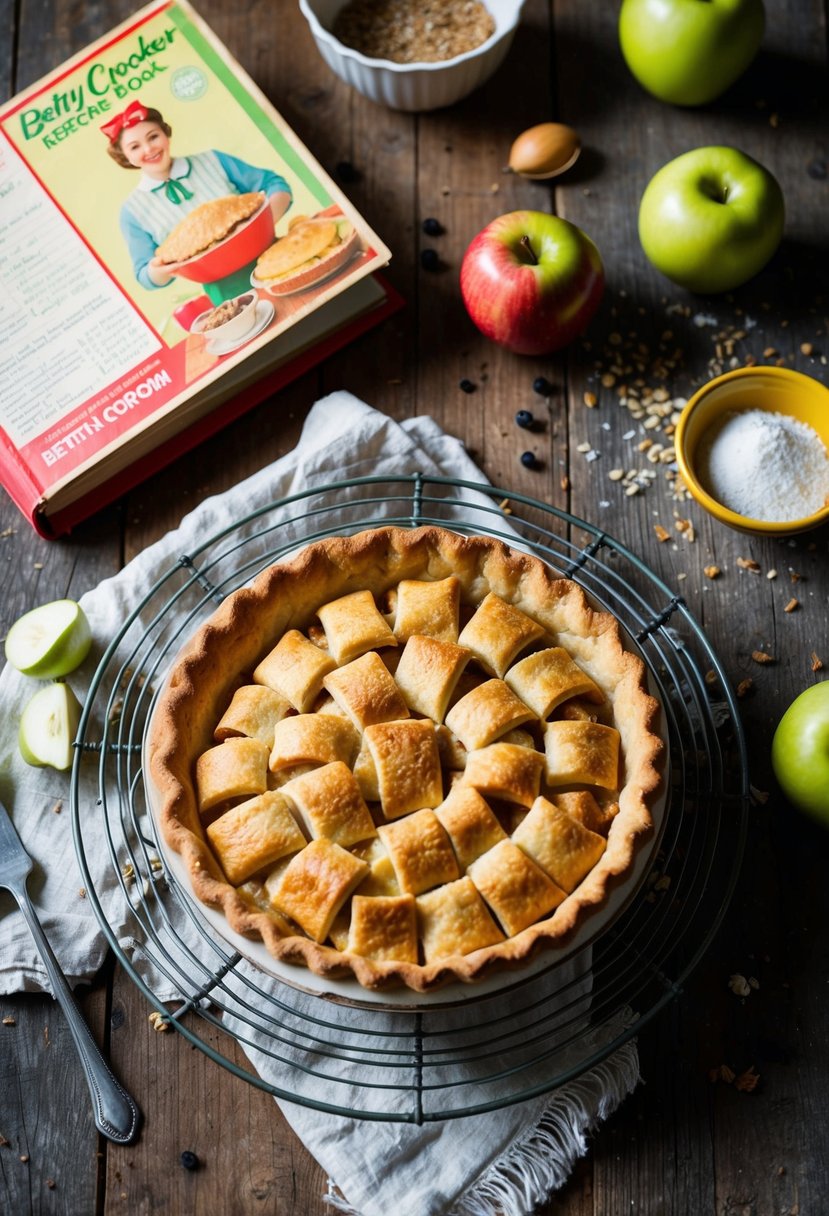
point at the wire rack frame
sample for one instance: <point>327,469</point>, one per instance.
<point>499,1049</point>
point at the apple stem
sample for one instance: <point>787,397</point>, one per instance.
<point>528,249</point>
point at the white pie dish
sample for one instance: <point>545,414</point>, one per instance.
<point>413,86</point>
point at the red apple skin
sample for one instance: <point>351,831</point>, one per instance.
<point>532,300</point>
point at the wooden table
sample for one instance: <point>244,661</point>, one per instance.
<point>691,1139</point>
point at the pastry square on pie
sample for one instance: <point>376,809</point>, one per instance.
<point>254,834</point>
<point>381,878</point>
<point>545,678</point>
<point>505,771</point>
<point>472,825</point>
<point>486,713</point>
<point>420,851</point>
<point>582,753</point>
<point>497,632</point>
<point>366,692</point>
<point>558,843</point>
<point>428,672</point>
<point>315,885</point>
<point>455,920</point>
<point>496,788</point>
<point>312,739</point>
<point>353,624</point>
<point>407,765</point>
<point>516,889</point>
<point>384,928</point>
<point>583,806</point>
<point>328,803</point>
<point>254,711</point>
<point>206,225</point>
<point>232,769</point>
<point>295,669</point>
<point>431,609</point>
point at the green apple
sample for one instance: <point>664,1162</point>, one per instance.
<point>687,52</point>
<point>711,219</point>
<point>50,641</point>
<point>48,726</point>
<point>800,751</point>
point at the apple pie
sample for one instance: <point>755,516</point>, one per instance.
<point>311,250</point>
<point>407,755</point>
<point>206,225</point>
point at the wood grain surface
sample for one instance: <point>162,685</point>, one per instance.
<point>690,1140</point>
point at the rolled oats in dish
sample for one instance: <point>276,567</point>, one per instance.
<point>413,31</point>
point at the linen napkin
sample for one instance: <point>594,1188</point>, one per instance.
<point>503,1162</point>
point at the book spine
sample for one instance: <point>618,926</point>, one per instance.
<point>19,482</point>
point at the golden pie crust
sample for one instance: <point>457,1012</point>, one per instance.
<point>206,225</point>
<point>417,832</point>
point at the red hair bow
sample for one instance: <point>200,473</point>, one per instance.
<point>134,114</point>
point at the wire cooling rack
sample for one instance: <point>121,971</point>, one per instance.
<point>446,1062</point>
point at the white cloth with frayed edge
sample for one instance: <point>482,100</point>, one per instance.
<point>503,1162</point>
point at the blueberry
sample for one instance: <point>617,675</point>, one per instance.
<point>189,1160</point>
<point>542,386</point>
<point>466,386</point>
<point>524,419</point>
<point>432,227</point>
<point>346,172</point>
<point>429,259</point>
<point>528,460</point>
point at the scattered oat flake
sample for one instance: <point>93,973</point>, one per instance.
<point>24,1157</point>
<point>817,663</point>
<point>590,400</point>
<point>9,1021</point>
<point>748,563</point>
<point>745,686</point>
<point>739,985</point>
<point>50,1182</point>
<point>806,348</point>
<point>771,573</point>
<point>794,576</point>
<point>616,474</point>
<point>760,656</point>
<point>662,534</point>
<point>4,1143</point>
<point>710,676</point>
<point>747,1081</point>
<point>158,1021</point>
<point>712,571</point>
<point>792,604</point>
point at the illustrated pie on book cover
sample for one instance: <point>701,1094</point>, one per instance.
<point>408,755</point>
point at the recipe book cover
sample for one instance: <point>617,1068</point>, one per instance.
<point>144,184</point>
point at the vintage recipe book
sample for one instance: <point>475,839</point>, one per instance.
<point>170,253</point>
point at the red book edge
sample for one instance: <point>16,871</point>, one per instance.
<point>26,494</point>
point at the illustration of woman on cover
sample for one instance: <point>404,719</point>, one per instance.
<point>171,186</point>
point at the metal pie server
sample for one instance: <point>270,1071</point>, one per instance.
<point>116,1115</point>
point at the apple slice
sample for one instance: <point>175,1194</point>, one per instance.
<point>50,641</point>
<point>48,726</point>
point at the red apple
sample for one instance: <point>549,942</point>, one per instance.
<point>531,281</point>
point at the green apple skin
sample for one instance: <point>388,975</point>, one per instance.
<point>687,52</point>
<point>800,752</point>
<point>711,219</point>
<point>49,641</point>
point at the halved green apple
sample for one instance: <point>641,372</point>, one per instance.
<point>48,726</point>
<point>50,641</point>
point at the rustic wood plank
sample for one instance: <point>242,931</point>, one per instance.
<point>700,1145</point>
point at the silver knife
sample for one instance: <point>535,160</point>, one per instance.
<point>116,1115</point>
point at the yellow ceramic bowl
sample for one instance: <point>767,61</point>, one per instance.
<point>776,389</point>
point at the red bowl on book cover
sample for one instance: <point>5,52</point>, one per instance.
<point>244,245</point>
